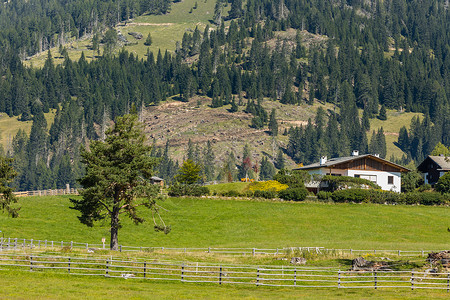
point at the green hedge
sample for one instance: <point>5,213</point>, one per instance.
<point>293,194</point>
<point>335,181</point>
<point>265,194</point>
<point>382,197</point>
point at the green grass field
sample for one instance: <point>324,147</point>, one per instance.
<point>391,127</point>
<point>232,223</point>
<point>26,285</point>
<point>227,187</point>
<point>246,223</point>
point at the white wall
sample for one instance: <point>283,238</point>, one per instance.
<point>382,179</point>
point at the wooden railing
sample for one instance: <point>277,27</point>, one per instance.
<point>280,276</point>
<point>55,192</point>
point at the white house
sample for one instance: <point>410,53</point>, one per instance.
<point>380,171</point>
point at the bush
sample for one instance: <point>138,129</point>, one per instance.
<point>265,194</point>
<point>270,185</point>
<point>324,196</point>
<point>293,194</point>
<point>425,187</point>
<point>443,184</point>
<point>350,195</point>
<point>335,182</point>
<point>295,178</point>
<point>432,198</point>
<point>231,194</point>
<point>178,190</point>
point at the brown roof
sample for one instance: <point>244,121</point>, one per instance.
<point>442,161</point>
<point>339,160</point>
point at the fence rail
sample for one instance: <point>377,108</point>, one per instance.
<point>55,192</point>
<point>301,277</point>
<point>19,243</point>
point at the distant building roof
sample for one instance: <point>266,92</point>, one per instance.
<point>442,161</point>
<point>340,160</point>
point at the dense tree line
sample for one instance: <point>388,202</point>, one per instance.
<point>368,54</point>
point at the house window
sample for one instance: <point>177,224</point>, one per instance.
<point>390,179</point>
<point>372,178</point>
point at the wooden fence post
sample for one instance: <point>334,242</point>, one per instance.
<point>295,276</point>
<point>375,279</point>
<point>182,272</point>
<point>339,279</point>
<point>257,277</point>
<point>253,251</point>
<point>448,282</point>
<point>31,244</point>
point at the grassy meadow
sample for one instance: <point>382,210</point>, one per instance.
<point>391,127</point>
<point>217,222</point>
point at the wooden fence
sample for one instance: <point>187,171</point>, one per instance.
<point>300,277</point>
<point>56,192</point>
<point>17,243</point>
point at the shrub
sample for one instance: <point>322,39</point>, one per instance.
<point>334,182</point>
<point>265,194</point>
<point>294,194</point>
<point>350,195</point>
<point>432,198</point>
<point>231,194</point>
<point>425,187</point>
<point>324,196</point>
<point>270,185</point>
<point>178,190</point>
<point>443,184</point>
<point>294,178</point>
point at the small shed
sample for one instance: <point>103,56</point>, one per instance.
<point>157,180</point>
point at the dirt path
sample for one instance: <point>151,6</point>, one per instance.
<point>150,24</point>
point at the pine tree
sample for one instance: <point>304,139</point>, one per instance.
<point>273,124</point>
<point>382,116</point>
<point>117,178</point>
<point>280,162</point>
<point>267,170</point>
<point>148,40</point>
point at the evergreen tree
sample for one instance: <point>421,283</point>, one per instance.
<point>148,40</point>
<point>280,162</point>
<point>273,124</point>
<point>382,116</point>
<point>267,170</point>
<point>117,178</point>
